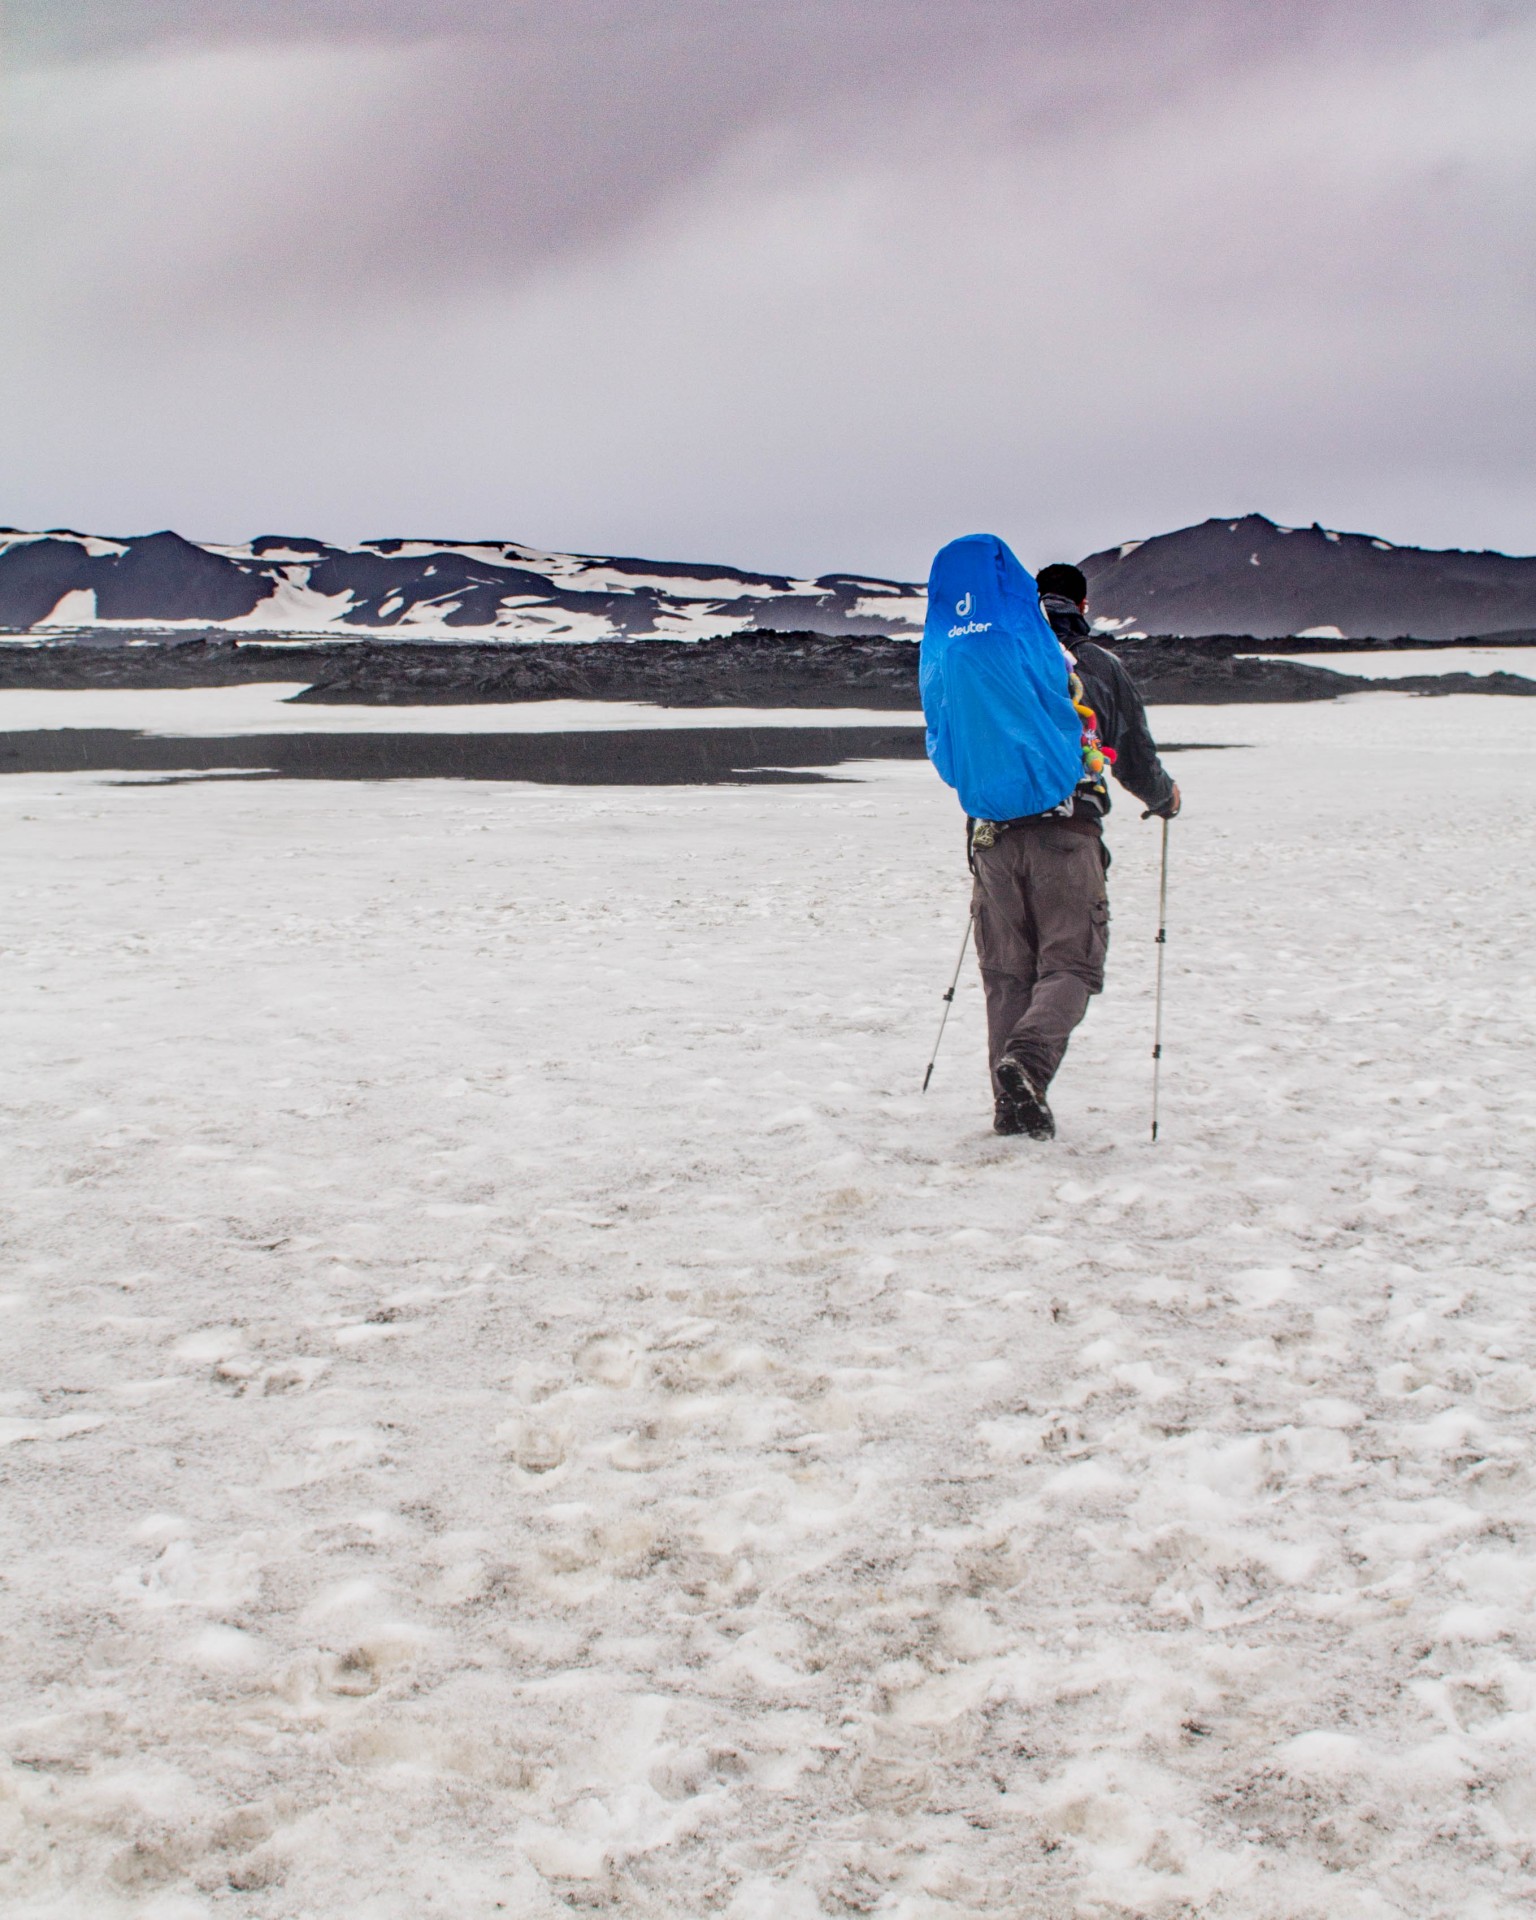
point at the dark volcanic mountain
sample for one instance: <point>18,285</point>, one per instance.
<point>1250,576</point>
<point>1245,576</point>
<point>419,589</point>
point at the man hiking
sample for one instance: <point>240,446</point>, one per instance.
<point>1024,712</point>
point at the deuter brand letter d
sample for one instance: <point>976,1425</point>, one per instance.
<point>963,606</point>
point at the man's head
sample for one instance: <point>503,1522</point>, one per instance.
<point>1070,582</point>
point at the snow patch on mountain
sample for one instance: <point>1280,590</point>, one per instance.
<point>76,608</point>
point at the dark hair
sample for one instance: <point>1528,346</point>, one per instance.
<point>1070,582</point>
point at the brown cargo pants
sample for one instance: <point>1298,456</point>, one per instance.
<point>1042,930</point>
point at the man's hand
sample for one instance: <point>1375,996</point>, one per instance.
<point>1170,807</point>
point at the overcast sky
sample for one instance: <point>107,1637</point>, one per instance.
<point>811,284</point>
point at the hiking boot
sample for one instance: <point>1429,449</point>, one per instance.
<point>1006,1117</point>
<point>1032,1114</point>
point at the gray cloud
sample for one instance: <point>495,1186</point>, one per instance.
<point>507,131</point>
<point>801,284</point>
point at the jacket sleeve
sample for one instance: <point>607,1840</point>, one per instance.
<point>1123,726</point>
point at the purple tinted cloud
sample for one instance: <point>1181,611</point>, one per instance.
<point>513,129</point>
<point>800,284</point>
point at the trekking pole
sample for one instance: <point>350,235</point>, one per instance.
<point>949,1001</point>
<point>1162,948</point>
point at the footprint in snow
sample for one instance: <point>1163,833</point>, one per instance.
<point>609,1359</point>
<point>533,1446</point>
<point>889,1784</point>
<point>638,1453</point>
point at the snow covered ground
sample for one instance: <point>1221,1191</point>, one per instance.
<point>515,1405</point>
<point>267,708</point>
<point>1404,663</point>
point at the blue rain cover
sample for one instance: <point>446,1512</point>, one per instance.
<point>1002,730</point>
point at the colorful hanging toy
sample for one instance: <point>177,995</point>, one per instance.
<point>1095,752</point>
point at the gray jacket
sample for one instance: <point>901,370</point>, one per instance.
<point>1112,694</point>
